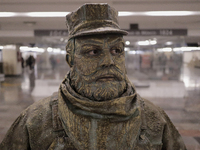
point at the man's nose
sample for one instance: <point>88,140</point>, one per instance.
<point>107,60</point>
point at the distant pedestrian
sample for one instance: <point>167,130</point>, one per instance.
<point>22,62</point>
<point>30,62</point>
<point>53,62</point>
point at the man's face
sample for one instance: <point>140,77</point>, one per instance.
<point>99,67</point>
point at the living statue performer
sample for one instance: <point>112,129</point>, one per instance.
<point>96,107</point>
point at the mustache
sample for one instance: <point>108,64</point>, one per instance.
<point>111,71</point>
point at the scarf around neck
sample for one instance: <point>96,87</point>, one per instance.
<point>89,124</point>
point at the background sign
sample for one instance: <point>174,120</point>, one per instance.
<point>50,33</point>
<point>157,32</point>
<point>145,32</point>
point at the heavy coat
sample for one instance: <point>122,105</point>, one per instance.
<point>40,127</point>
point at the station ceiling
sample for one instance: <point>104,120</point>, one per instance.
<point>21,29</point>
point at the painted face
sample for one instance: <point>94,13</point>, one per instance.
<point>99,65</point>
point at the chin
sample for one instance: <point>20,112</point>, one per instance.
<point>102,91</point>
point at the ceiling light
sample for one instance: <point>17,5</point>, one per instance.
<point>56,50</point>
<point>152,42</point>
<point>158,13</point>
<point>32,49</point>
<point>166,49</point>
<point>23,47</point>
<point>177,49</point>
<point>147,42</point>
<point>120,13</point>
<point>126,48</point>
<point>125,13</point>
<point>7,14</point>
<point>33,14</point>
<point>169,13</point>
<point>49,49</point>
<point>63,52</point>
<point>143,42</point>
<point>169,43</point>
<point>127,42</point>
<point>36,49</point>
<point>9,47</point>
<point>47,14</point>
<point>186,48</point>
<point>132,52</point>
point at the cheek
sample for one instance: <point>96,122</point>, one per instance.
<point>120,62</point>
<point>85,66</point>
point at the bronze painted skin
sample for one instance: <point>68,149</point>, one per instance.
<point>96,107</point>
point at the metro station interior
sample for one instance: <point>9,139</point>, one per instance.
<point>162,54</point>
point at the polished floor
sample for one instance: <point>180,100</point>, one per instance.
<point>179,98</point>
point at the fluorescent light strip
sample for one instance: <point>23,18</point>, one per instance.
<point>159,13</point>
<point>166,49</point>
<point>47,14</point>
<point>9,47</point>
<point>130,13</point>
<point>7,14</point>
<point>33,14</point>
<point>132,52</point>
<point>126,49</point>
<point>31,49</point>
<point>54,50</point>
<point>186,48</point>
<point>135,52</point>
<point>120,13</point>
<point>147,42</point>
<point>183,49</point>
<point>143,42</point>
<point>34,49</point>
<point>172,13</point>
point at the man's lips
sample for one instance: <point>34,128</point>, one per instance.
<point>106,78</point>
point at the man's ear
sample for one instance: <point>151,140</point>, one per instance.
<point>70,51</point>
<point>69,59</point>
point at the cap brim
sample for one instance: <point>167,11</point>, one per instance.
<point>102,30</point>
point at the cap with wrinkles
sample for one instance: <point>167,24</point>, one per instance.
<point>92,19</point>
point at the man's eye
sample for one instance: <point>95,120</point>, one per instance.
<point>116,51</point>
<point>93,52</point>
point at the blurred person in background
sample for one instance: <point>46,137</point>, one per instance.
<point>22,62</point>
<point>30,62</point>
<point>53,62</point>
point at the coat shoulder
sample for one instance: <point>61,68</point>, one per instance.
<point>154,117</point>
<point>41,110</point>
<point>153,110</point>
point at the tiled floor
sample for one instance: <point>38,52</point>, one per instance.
<point>180,99</point>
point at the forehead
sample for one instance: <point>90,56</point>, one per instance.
<point>100,39</point>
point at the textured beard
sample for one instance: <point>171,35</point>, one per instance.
<point>87,86</point>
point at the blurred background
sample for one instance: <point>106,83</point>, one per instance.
<point>162,55</point>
